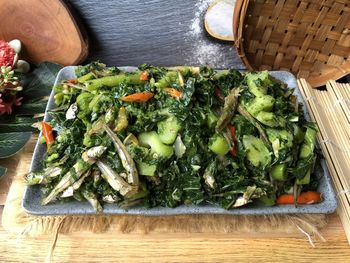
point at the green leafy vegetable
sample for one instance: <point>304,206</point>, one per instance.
<point>203,137</point>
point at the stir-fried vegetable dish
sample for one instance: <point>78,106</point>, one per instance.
<point>171,136</point>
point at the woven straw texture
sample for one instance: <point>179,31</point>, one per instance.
<point>310,38</point>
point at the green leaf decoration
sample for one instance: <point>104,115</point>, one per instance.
<point>19,123</point>
<point>31,108</point>
<point>12,142</point>
<point>15,129</point>
<point>6,118</point>
<point>3,171</point>
<point>40,81</point>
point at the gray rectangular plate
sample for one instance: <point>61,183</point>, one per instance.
<point>32,196</point>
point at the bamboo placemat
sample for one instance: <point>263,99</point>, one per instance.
<point>330,108</point>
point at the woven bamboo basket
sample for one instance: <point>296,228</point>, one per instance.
<point>310,38</point>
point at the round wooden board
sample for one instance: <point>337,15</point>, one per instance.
<point>47,29</point>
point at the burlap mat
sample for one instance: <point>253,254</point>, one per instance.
<point>15,220</point>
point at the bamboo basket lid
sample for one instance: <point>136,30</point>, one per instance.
<point>310,38</point>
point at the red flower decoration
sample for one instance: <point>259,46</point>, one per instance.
<point>7,54</point>
<point>7,101</point>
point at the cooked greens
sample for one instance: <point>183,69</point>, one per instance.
<point>171,136</point>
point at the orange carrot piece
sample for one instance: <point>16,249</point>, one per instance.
<point>173,92</point>
<point>138,97</point>
<point>144,75</point>
<point>309,197</point>
<point>233,151</point>
<point>47,132</point>
<point>285,199</point>
<point>72,81</point>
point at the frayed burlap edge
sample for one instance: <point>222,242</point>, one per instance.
<point>15,220</point>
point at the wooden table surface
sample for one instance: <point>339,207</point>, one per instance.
<point>172,247</point>
<point>159,33</point>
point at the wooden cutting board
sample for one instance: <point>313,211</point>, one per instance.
<point>47,29</point>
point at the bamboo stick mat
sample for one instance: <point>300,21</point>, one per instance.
<point>15,220</point>
<point>330,108</point>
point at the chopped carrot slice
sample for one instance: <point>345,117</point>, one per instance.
<point>72,81</point>
<point>233,132</point>
<point>233,151</point>
<point>144,75</point>
<point>173,92</point>
<point>47,132</point>
<point>309,197</point>
<point>138,97</point>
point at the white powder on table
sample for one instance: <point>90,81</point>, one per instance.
<point>196,22</point>
<point>204,51</point>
